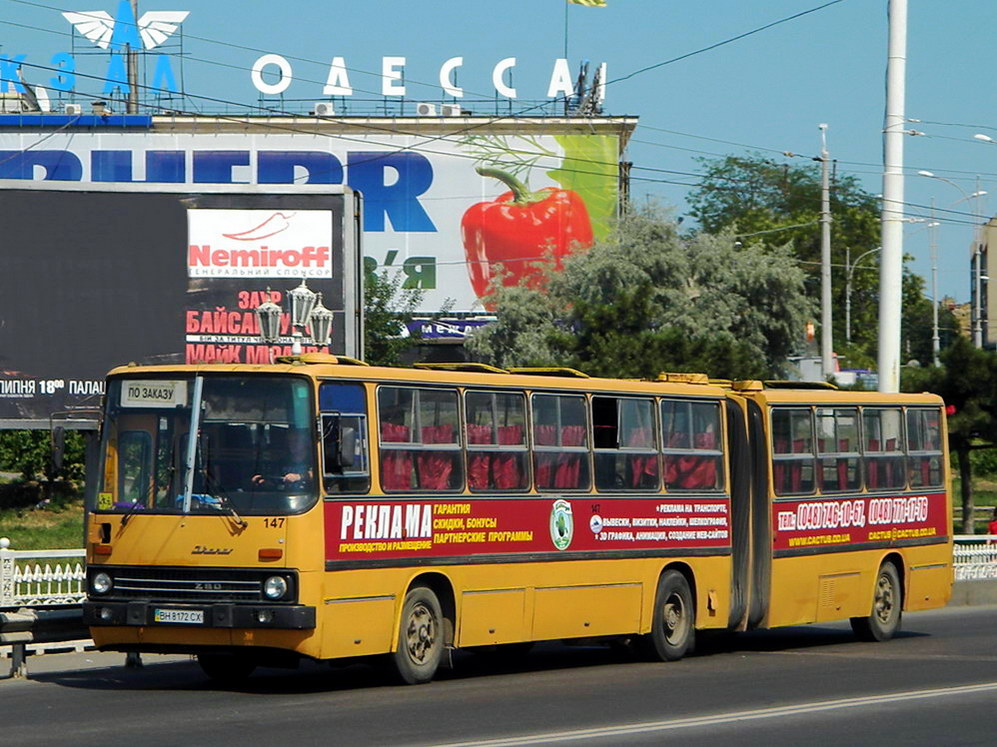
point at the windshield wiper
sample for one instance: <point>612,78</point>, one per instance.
<point>136,505</point>
<point>230,506</point>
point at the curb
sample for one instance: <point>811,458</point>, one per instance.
<point>973,593</point>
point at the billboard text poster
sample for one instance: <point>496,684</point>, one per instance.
<point>443,211</point>
<point>91,280</point>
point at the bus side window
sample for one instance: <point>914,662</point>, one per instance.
<point>792,451</point>
<point>692,444</point>
<point>345,459</point>
<point>420,445</point>
<point>623,435</point>
<point>496,441</point>
<point>924,443</point>
<point>884,448</point>
<point>560,442</point>
<point>838,449</point>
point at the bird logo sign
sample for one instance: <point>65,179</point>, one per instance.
<point>124,33</point>
<point>123,30</point>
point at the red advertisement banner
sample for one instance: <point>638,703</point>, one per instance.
<point>826,522</point>
<point>465,525</point>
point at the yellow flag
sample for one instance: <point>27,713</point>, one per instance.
<point>589,3</point>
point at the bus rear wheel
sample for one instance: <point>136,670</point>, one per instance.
<point>227,668</point>
<point>673,631</point>
<point>420,637</point>
<point>884,622</point>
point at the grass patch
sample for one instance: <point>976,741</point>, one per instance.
<point>57,528</point>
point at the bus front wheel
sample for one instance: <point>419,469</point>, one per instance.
<point>673,630</point>
<point>420,637</point>
<point>887,600</point>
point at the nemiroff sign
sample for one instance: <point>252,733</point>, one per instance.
<point>259,244</point>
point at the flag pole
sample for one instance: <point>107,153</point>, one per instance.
<point>566,4</point>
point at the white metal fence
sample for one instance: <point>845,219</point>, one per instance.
<point>975,556</point>
<point>38,578</point>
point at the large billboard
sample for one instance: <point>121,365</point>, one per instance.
<point>444,204</point>
<point>92,279</point>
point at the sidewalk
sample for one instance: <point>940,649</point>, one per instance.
<point>56,663</point>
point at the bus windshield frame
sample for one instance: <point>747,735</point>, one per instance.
<point>255,452</point>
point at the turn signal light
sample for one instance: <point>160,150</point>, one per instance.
<point>102,550</point>
<point>271,553</point>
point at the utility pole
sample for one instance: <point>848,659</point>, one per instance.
<point>848,295</point>
<point>132,56</point>
<point>891,265</point>
<point>977,269</point>
<point>933,237</point>
<point>826,341</point>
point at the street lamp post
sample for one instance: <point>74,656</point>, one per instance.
<point>977,249</point>
<point>933,239</point>
<point>849,271</point>
<point>307,315</point>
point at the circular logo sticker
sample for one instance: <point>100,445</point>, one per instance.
<point>562,526</point>
<point>595,523</point>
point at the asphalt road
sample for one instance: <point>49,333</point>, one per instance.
<point>934,684</point>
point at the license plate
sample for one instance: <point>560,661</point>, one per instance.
<point>194,617</point>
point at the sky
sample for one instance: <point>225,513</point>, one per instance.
<point>765,93</point>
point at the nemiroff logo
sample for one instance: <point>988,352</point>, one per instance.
<point>259,244</point>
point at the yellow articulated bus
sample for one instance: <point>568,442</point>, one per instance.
<point>325,509</point>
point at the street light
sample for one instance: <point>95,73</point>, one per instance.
<point>936,344</point>
<point>849,270</point>
<point>307,315</point>
<point>977,246</point>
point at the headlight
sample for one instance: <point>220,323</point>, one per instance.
<point>275,587</point>
<point>100,583</point>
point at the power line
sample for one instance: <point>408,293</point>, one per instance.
<point>475,126</point>
<point>724,42</point>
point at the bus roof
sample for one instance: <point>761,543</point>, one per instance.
<point>837,397</point>
<point>323,366</point>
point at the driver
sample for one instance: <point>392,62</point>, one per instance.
<point>297,466</point>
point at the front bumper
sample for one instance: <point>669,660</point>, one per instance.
<point>143,614</point>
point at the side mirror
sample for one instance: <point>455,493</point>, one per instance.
<point>58,447</point>
<point>339,444</point>
<point>347,446</point>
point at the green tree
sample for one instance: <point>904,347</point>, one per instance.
<point>769,202</point>
<point>965,380</point>
<point>28,453</point>
<point>646,299</point>
<point>387,308</point>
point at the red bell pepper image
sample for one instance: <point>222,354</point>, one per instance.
<point>521,228</point>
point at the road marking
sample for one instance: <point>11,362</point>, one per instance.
<point>727,718</point>
<point>896,657</point>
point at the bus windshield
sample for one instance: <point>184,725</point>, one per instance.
<point>254,452</point>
